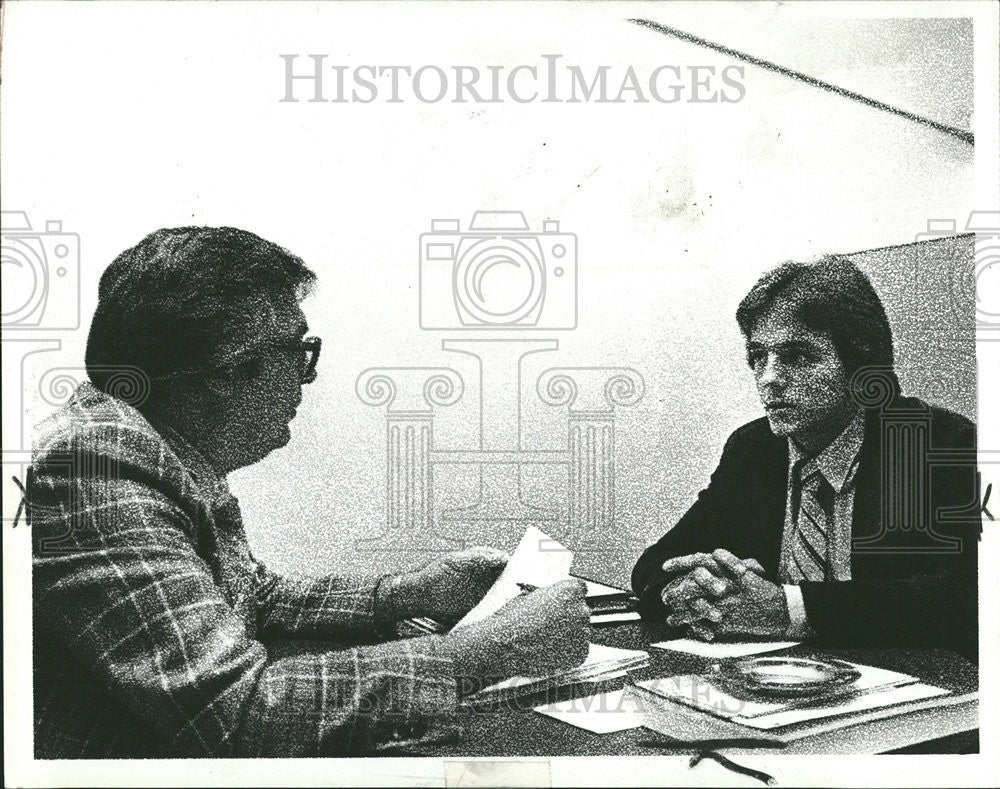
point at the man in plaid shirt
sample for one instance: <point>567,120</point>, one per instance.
<point>153,620</point>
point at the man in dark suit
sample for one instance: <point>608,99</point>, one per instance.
<point>849,513</point>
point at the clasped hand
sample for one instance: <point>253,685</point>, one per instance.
<point>718,595</point>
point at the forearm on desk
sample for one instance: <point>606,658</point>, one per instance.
<point>353,702</point>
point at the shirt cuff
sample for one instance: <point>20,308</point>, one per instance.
<point>798,623</point>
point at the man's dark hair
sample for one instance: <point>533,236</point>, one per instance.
<point>168,304</point>
<point>833,296</point>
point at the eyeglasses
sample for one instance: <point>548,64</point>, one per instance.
<point>309,348</point>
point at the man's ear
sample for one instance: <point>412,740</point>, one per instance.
<point>222,382</point>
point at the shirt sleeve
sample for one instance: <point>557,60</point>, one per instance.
<point>129,597</point>
<point>798,624</point>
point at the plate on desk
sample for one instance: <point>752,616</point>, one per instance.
<point>790,676</point>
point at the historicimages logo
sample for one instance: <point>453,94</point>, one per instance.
<point>312,78</point>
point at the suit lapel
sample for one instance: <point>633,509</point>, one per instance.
<point>866,515</point>
<point>769,506</point>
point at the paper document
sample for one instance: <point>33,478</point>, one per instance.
<point>721,649</point>
<point>602,663</point>
<point>537,560</point>
<point>866,701</point>
<point>602,713</point>
<point>595,588</point>
<point>607,619</point>
<point>875,687</point>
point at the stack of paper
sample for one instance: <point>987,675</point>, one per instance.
<point>602,663</point>
<point>875,688</point>
<point>595,588</point>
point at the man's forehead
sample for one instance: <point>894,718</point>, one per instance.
<point>281,315</point>
<point>783,326</point>
<point>274,318</point>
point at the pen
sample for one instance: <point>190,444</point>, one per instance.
<point>622,598</point>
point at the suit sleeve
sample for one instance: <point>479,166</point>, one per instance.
<point>698,531</point>
<point>326,607</point>
<point>934,609</point>
<point>118,584</point>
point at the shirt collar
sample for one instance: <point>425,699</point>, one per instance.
<point>839,460</point>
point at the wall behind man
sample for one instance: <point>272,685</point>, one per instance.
<point>928,292</point>
<point>697,391</point>
<point>677,210</point>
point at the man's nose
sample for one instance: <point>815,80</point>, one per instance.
<point>769,372</point>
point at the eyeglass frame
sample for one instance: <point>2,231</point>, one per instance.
<point>312,345</point>
<point>307,374</point>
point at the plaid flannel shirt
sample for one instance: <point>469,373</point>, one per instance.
<point>151,615</point>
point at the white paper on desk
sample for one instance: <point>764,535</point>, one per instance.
<point>722,649</point>
<point>892,688</point>
<point>602,663</point>
<point>602,713</point>
<point>607,619</point>
<point>538,560</point>
<point>881,698</point>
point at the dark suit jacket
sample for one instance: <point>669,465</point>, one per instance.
<point>910,586</point>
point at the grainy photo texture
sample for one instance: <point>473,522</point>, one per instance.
<point>497,394</point>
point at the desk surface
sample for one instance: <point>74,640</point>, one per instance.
<point>517,731</point>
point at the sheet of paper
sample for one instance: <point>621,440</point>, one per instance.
<point>602,713</point>
<point>595,588</point>
<point>603,662</point>
<point>880,698</point>
<point>721,649</point>
<point>699,692</point>
<point>538,560</point>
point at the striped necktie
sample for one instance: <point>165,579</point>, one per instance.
<point>809,560</point>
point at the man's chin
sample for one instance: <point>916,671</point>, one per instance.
<point>281,438</point>
<point>781,427</point>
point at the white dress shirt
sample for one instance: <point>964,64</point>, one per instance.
<point>838,463</point>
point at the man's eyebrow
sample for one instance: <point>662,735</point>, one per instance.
<point>790,345</point>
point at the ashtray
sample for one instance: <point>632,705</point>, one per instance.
<point>789,676</point>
